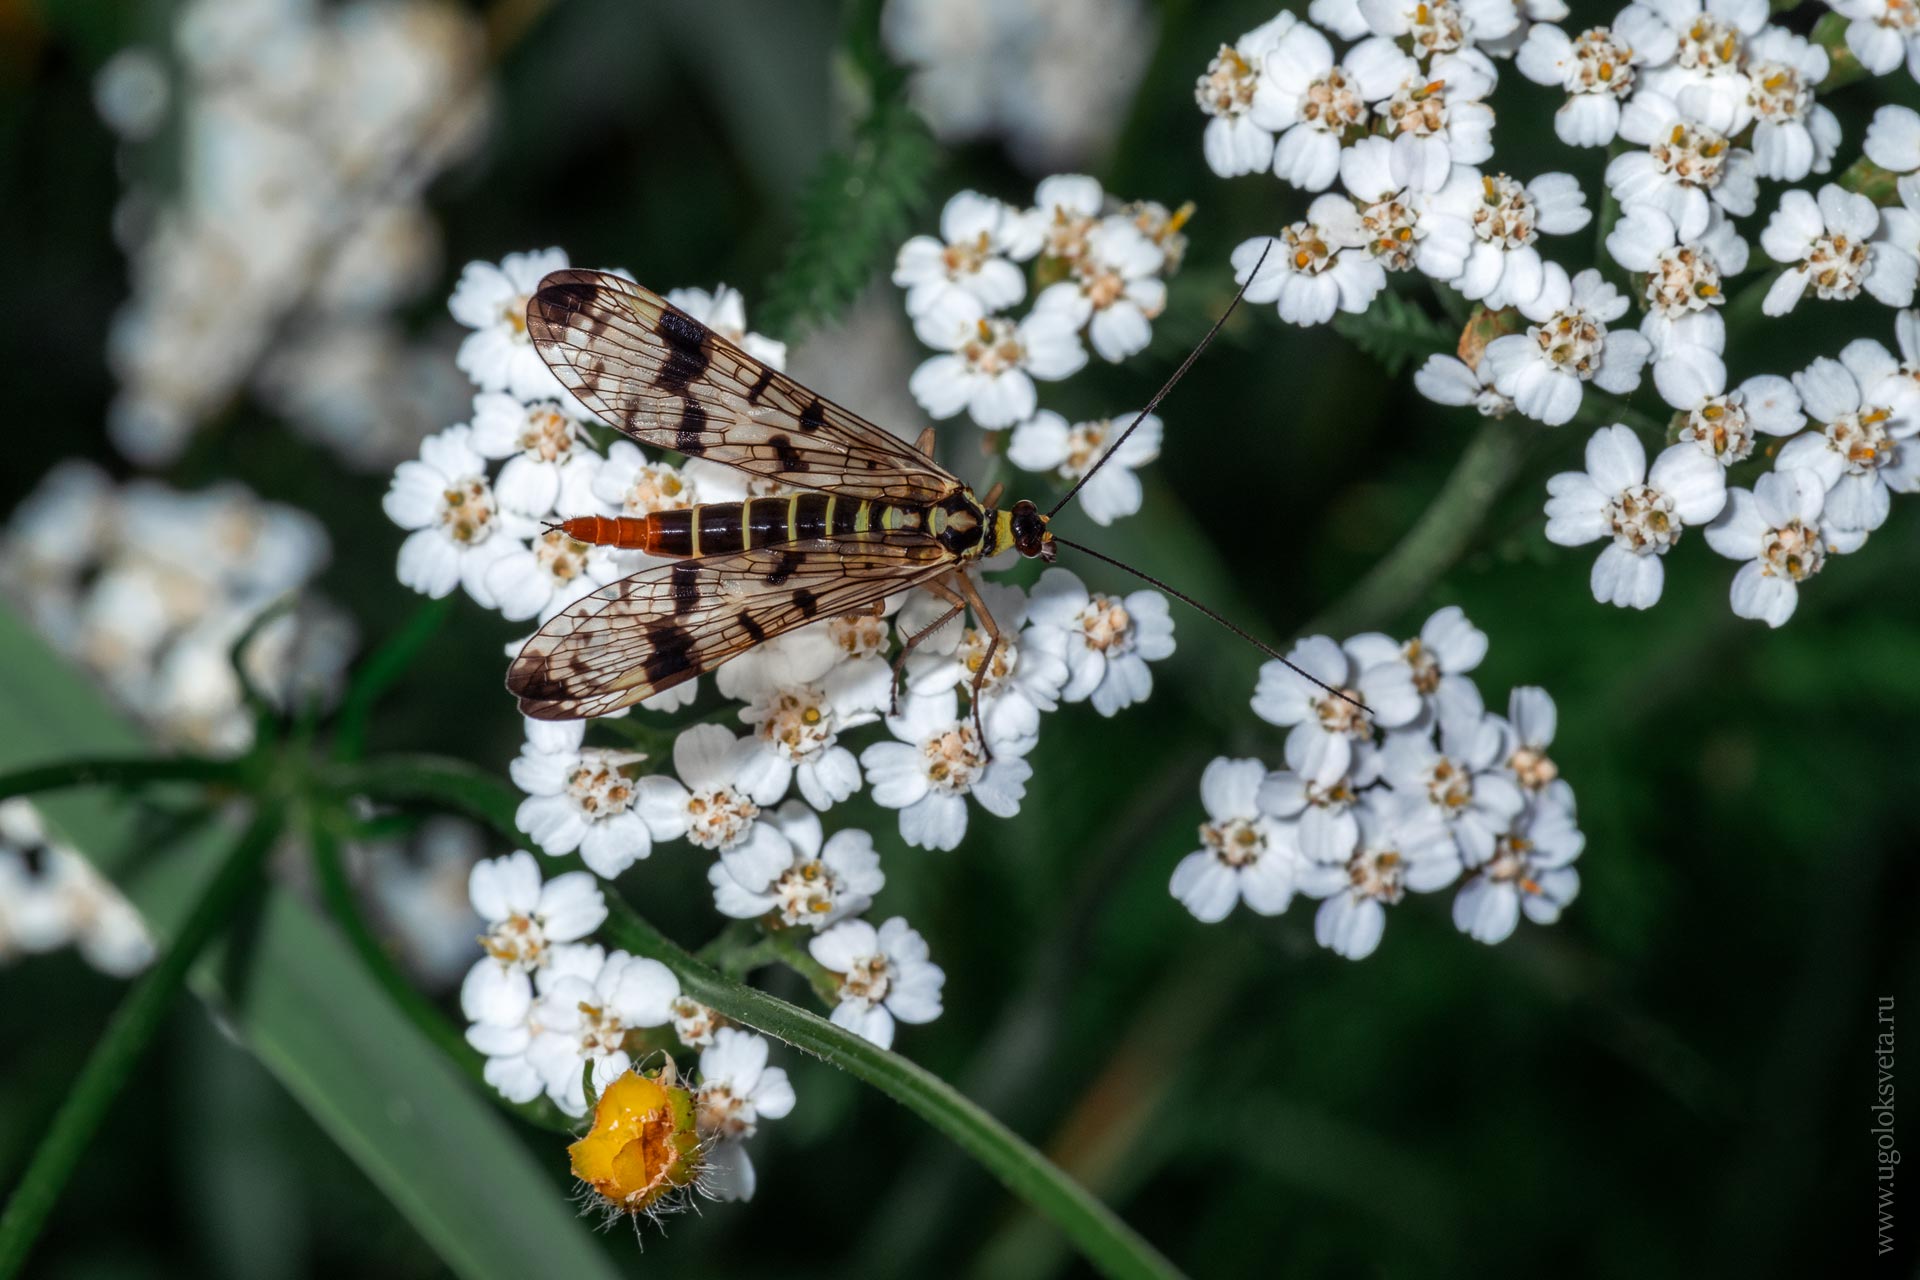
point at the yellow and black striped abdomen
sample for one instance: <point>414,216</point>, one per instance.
<point>720,528</point>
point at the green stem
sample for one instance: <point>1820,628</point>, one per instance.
<point>125,1040</point>
<point>144,771</point>
<point>1107,1242</point>
<point>1491,461</point>
<point>380,672</point>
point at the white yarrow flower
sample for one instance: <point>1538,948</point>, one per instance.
<point>1397,847</point>
<point>826,881</point>
<point>1568,345</point>
<point>1860,452</point>
<point>976,234</point>
<point>1106,641</point>
<point>492,301</point>
<point>1115,293</point>
<point>1686,168</point>
<point>1235,142</point>
<point>885,977</point>
<point>1315,267</point>
<point>1722,423</point>
<point>1882,34</point>
<point>458,529</point>
<point>1835,246</point>
<point>1322,695</point>
<point>1597,68</point>
<point>526,921</point>
<point>1685,279</point>
<point>1776,530</point>
<point>1642,512</point>
<point>1314,100</point>
<point>991,363</point>
<point>1483,229</point>
<point>1046,443</point>
<point>586,1020</point>
<point>1529,872</point>
<point>1462,782</point>
<point>1449,380</point>
<point>938,761</point>
<point>737,1090</point>
<point>582,798</point>
<point>1247,853</point>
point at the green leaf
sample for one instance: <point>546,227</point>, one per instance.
<point>1395,332</point>
<point>301,1002</point>
<point>854,213</point>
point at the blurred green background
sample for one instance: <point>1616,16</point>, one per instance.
<point>1674,1079</point>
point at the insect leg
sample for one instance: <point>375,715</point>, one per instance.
<point>939,588</point>
<point>980,611</point>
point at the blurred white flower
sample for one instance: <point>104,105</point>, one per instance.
<point>1776,530</point>
<point>491,300</point>
<point>885,977</point>
<point>938,761</point>
<point>51,897</point>
<point>737,1090</point>
<point>1642,512</point>
<point>1835,246</point>
<point>827,880</point>
<point>1246,852</point>
<point>1106,641</point>
<point>526,921</point>
<point>1315,267</point>
<point>1045,443</point>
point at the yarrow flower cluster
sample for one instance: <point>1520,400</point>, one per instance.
<point>298,224</point>
<point>811,716</point>
<point>1701,101</point>
<point>1098,270</point>
<point>1422,790</point>
<point>150,588</point>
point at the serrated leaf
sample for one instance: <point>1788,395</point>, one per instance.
<point>1395,332</point>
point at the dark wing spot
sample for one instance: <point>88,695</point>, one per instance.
<point>682,330</point>
<point>814,416</point>
<point>566,297</point>
<point>671,655</point>
<point>691,436</point>
<point>759,387</point>
<point>783,569</point>
<point>754,630</point>
<point>680,369</point>
<point>784,452</point>
<point>686,586</point>
<point>806,602</point>
<point>531,680</point>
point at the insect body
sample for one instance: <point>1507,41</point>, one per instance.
<point>870,515</point>
<point>873,515</point>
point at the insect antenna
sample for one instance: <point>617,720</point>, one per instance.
<point>1167,386</point>
<point>1191,603</point>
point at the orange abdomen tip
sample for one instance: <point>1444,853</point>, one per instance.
<point>628,533</point>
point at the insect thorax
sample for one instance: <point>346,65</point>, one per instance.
<point>962,525</point>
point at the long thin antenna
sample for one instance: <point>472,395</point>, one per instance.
<point>1161,394</point>
<point>1191,603</point>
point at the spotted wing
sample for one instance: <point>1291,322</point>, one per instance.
<point>667,380</point>
<point>644,634</point>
